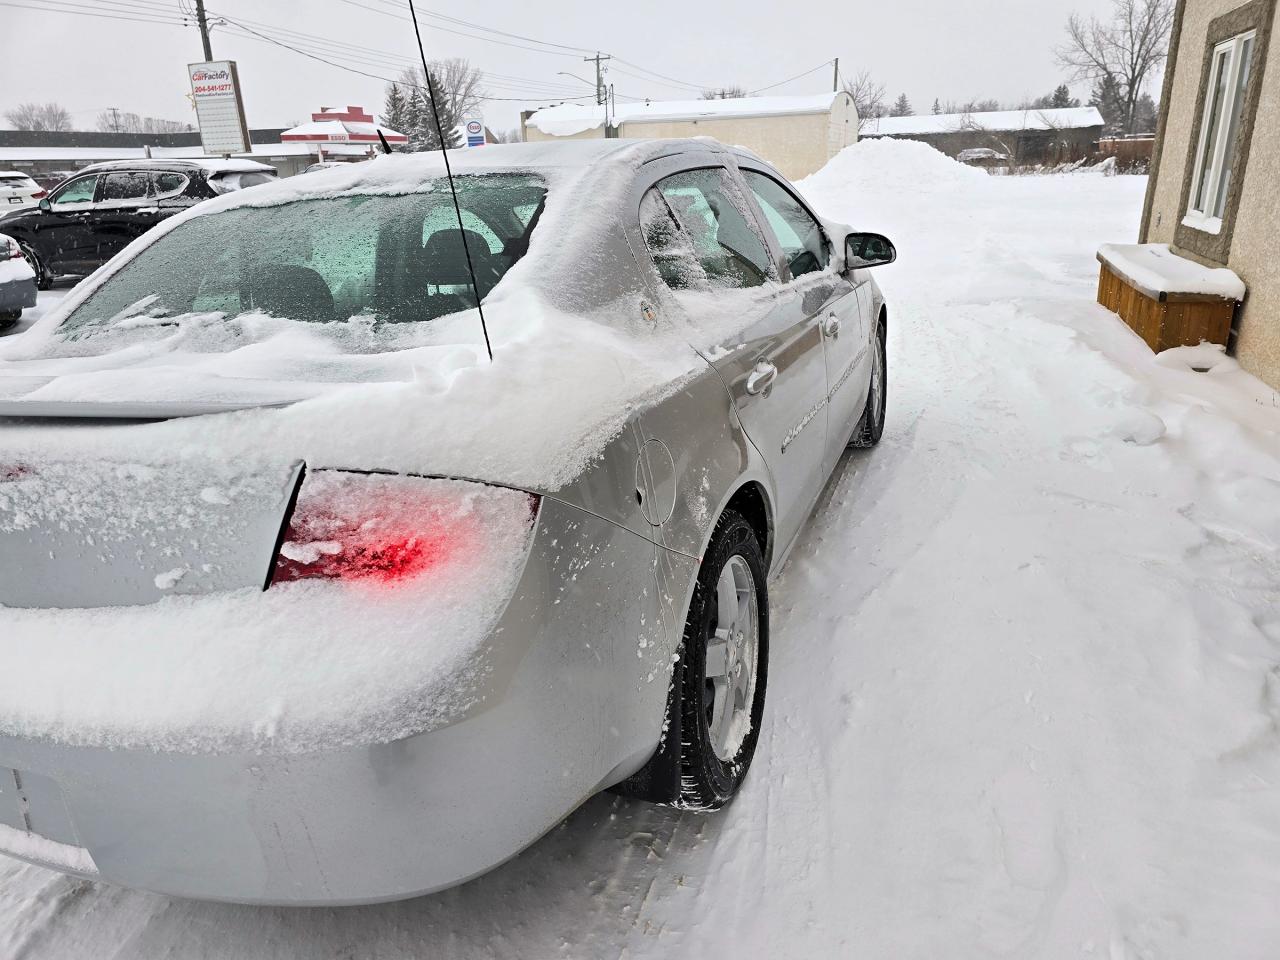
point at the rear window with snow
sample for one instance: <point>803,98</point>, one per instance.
<point>393,259</point>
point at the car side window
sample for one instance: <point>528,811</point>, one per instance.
<point>168,184</point>
<point>125,186</point>
<point>798,233</point>
<point>700,232</point>
<point>80,190</point>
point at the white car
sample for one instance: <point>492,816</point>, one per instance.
<point>18,191</point>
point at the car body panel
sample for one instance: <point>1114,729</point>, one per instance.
<point>568,692</point>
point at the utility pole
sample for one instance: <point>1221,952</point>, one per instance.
<point>835,80</point>
<point>115,119</point>
<point>204,30</point>
<point>602,94</point>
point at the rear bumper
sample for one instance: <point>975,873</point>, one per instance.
<point>354,826</point>
<point>567,707</point>
<point>17,295</point>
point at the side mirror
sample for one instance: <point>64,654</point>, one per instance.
<point>45,206</point>
<point>862,250</point>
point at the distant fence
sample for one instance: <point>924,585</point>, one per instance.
<point>1131,153</point>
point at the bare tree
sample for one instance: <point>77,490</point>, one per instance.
<point>39,116</point>
<point>459,90</point>
<point>725,93</point>
<point>506,136</point>
<point>1125,49</point>
<point>125,121</point>
<point>868,97</point>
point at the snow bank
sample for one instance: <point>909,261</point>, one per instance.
<point>886,167</point>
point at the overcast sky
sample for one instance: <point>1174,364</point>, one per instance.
<point>926,48</point>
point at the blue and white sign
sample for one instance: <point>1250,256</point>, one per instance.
<point>475,133</point>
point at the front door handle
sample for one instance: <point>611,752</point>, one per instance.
<point>831,326</point>
<point>761,378</point>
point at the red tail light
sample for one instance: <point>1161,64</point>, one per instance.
<point>10,250</point>
<point>384,529</point>
<point>39,194</point>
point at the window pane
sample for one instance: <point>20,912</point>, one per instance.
<point>1213,120</point>
<point>324,260</point>
<point>77,191</point>
<point>1237,108</point>
<point>718,226</point>
<point>124,186</point>
<point>669,247</point>
<point>169,183</point>
<point>798,233</point>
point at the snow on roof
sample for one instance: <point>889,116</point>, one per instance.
<point>102,154</point>
<point>211,164</point>
<point>1000,121</point>
<point>340,125</point>
<point>566,119</point>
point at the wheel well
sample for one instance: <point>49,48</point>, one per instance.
<point>750,501</point>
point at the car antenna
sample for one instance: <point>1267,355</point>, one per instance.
<point>386,147</point>
<point>448,172</point>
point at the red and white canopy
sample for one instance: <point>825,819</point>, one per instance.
<point>341,126</point>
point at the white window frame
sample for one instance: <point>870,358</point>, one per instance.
<point>1204,220</point>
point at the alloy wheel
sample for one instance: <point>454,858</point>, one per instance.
<point>733,646</point>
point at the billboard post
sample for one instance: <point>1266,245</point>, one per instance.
<point>215,89</point>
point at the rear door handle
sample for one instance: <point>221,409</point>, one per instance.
<point>831,326</point>
<point>761,378</point>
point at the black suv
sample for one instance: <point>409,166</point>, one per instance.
<point>94,214</point>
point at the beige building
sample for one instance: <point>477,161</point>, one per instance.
<point>1214,192</point>
<point>796,134</point>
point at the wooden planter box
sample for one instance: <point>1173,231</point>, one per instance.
<point>1165,319</point>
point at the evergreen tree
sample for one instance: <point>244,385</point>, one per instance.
<point>1062,98</point>
<point>416,115</point>
<point>1109,99</point>
<point>937,106</point>
<point>901,107</point>
<point>395,110</point>
<point>1145,115</point>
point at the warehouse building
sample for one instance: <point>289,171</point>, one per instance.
<point>798,135</point>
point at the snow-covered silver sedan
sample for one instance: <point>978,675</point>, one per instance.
<point>305,599</point>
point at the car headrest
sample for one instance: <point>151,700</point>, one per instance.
<point>299,293</point>
<point>446,260</point>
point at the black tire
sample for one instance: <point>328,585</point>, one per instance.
<point>871,426</point>
<point>706,781</point>
<point>43,278</point>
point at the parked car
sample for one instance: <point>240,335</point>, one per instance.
<point>305,600</point>
<point>94,215</point>
<point>17,283</point>
<point>983,157</point>
<point>18,191</point>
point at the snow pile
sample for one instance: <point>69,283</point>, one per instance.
<point>884,167</point>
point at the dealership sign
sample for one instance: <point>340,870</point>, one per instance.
<point>215,90</point>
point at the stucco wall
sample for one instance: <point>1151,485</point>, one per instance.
<point>796,144</point>
<point>1255,246</point>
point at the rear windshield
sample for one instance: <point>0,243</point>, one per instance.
<point>392,259</point>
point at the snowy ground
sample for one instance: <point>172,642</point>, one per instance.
<point>1024,698</point>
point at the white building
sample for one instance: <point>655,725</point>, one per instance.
<point>798,135</point>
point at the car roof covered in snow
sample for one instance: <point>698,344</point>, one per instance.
<point>209,165</point>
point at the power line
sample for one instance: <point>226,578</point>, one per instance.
<point>46,6</point>
<point>821,66</point>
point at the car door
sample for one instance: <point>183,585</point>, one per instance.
<point>62,234</point>
<point>830,298</point>
<point>174,191</point>
<point>125,211</point>
<point>707,246</point>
